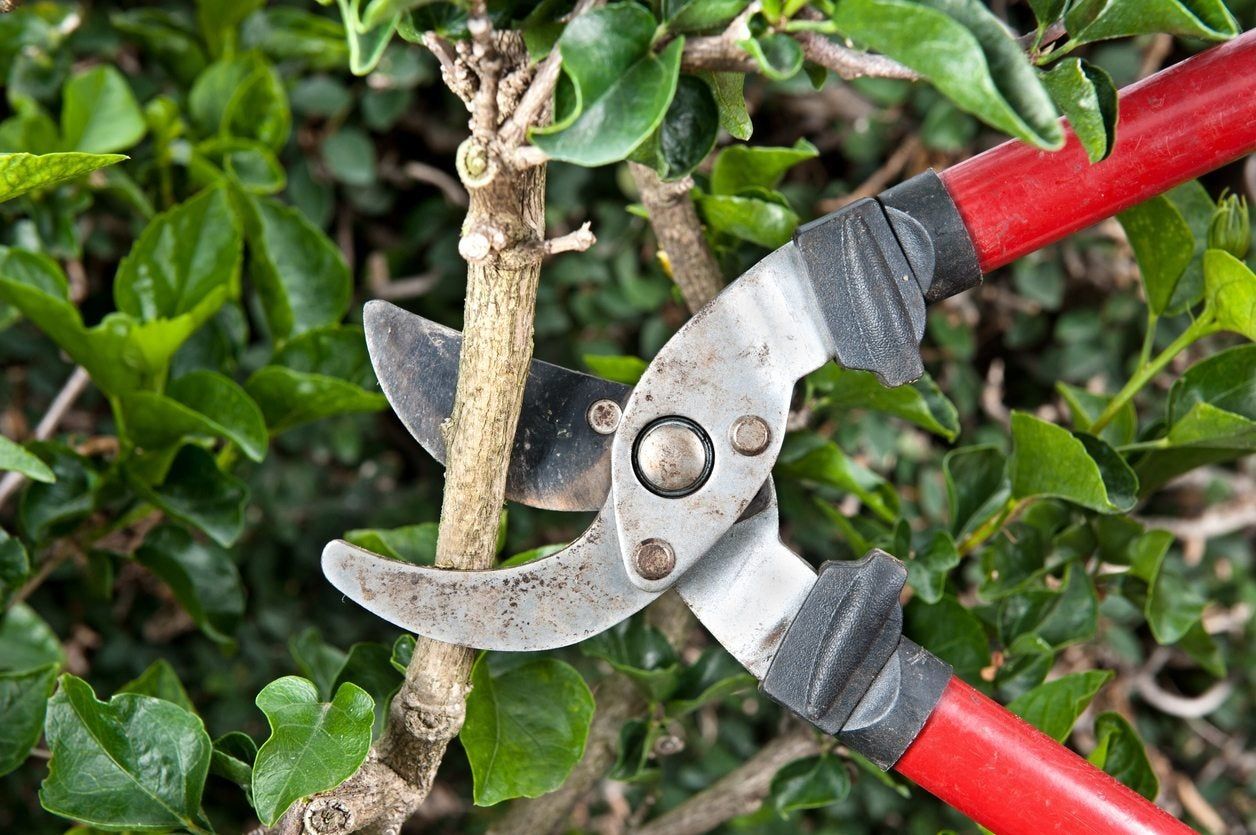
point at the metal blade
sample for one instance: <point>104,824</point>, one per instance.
<point>747,589</point>
<point>558,462</point>
<point>560,600</point>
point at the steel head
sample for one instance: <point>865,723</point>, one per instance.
<point>561,455</point>
<point>559,600</point>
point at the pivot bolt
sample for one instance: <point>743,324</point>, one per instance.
<point>654,559</point>
<point>750,435</point>
<point>673,457</point>
<point>604,416</point>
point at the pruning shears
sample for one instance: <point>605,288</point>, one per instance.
<point>679,467</point>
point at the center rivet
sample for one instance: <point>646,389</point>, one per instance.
<point>750,435</point>
<point>654,559</point>
<point>673,457</point>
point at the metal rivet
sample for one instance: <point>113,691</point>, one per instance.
<point>673,457</point>
<point>654,559</point>
<point>750,435</point>
<point>604,416</point>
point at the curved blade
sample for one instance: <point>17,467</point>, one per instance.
<point>558,461</point>
<point>553,602</point>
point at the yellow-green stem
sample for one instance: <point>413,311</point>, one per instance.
<point>1146,371</point>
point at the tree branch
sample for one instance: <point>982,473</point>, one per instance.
<point>740,792</point>
<point>74,386</point>
<point>675,222</point>
<point>721,53</point>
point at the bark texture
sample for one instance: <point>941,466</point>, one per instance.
<point>679,232</point>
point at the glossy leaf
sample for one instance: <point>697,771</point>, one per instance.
<point>1050,461</point>
<point>369,666</point>
<point>233,757</point>
<point>1163,246</point>
<point>976,486</point>
<point>242,96</point>
<point>641,652</point>
<point>768,223</point>
<point>730,97</point>
<point>23,702</point>
<point>411,543</point>
<point>49,509</point>
<point>739,167</point>
<point>526,727</point>
<point>200,403</point>
<point>300,275</point>
<point>1172,606</point>
<point>99,114</point>
<point>1230,290</point>
<point>688,131</point>
<point>714,676</point>
<point>1120,752</point>
<point>312,747</point>
<point>202,577</point>
<point>621,89</point>
<point>700,15</point>
<point>290,398</point>
<point>1086,95</point>
<point>921,402</point>
<point>621,369</point>
<point>1053,707</point>
<point>1025,665</point>
<point>1095,20</point>
<point>134,762</point>
<point>24,173</point>
<point>778,55</point>
<point>813,459</point>
<point>160,681</point>
<point>810,783</point>
<point>26,640</point>
<point>199,494</point>
<point>15,567</point>
<point>1084,407</point>
<point>951,632</point>
<point>966,52</point>
<point>15,458</point>
<point>317,660</point>
<point>928,569</point>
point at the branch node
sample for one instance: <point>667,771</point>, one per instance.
<point>577,241</point>
<point>328,815</point>
<point>475,164</point>
<point>528,156</point>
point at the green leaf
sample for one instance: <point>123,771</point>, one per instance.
<point>219,20</point>
<point>621,90</point>
<point>1048,460</point>
<point>1086,95</point>
<point>165,35</point>
<point>1120,752</point>
<point>301,277</point>
<point>929,567</point>
<point>641,652</point>
<point>200,403</point>
<point>411,543</point>
<point>232,759</point>
<point>730,96</point>
<point>1054,707</point>
<point>160,681</point>
<point>1172,606</point>
<point>317,660</point>
<point>701,15</point>
<point>290,398</point>
<point>1163,246</point>
<point>15,567</point>
<point>921,402</point>
<point>1230,290</point>
<point>767,223</point>
<point>187,261</point>
<point>24,173</point>
<point>1096,20</point>
<point>1047,11</point>
<point>23,702</point>
<point>312,747</point>
<point>120,354</point>
<point>366,44</point>
<point>778,55</point>
<point>811,458</point>
<point>369,666</point>
<point>810,783</point>
<point>714,676</point>
<point>951,632</point>
<point>526,727</point>
<point>1084,407</point>
<point>99,114</point>
<point>621,369</point>
<point>1025,664</point>
<point>49,509</point>
<point>976,486</point>
<point>349,154</point>
<point>380,12</point>
<point>133,762</point>
<point>242,96</point>
<point>1060,617</point>
<point>199,494</point>
<point>26,641</point>
<point>966,52</point>
<point>402,652</point>
<point>688,131</point>
<point>739,167</point>
<point>202,576</point>
<point>15,458</point>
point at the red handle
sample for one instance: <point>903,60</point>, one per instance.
<point>1172,127</point>
<point>1015,780</point>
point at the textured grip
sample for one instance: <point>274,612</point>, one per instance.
<point>1015,780</point>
